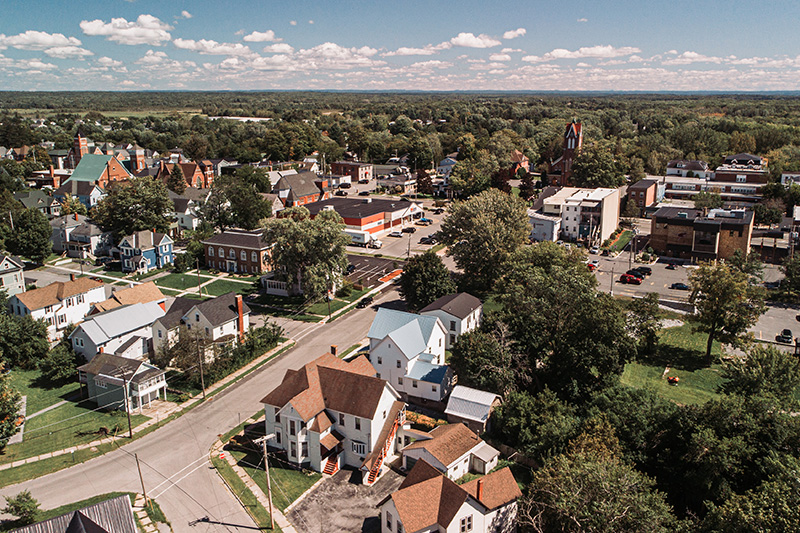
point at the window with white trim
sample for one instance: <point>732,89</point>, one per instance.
<point>100,382</point>
<point>243,255</point>
<point>359,448</point>
<point>466,524</point>
<point>254,257</point>
<point>211,251</point>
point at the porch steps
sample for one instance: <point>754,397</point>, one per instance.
<point>331,465</point>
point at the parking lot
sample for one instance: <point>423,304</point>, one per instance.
<point>368,269</point>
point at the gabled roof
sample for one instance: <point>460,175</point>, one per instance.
<point>518,157</point>
<point>300,185</point>
<point>329,383</point>
<point>56,292</point>
<point>459,305</point>
<point>68,221</point>
<point>499,488</point>
<point>688,164</point>
<point>239,238</point>
<point>91,167</point>
<point>447,443</point>
<point>117,322</point>
<point>180,306</point>
<point>16,263</point>
<point>145,239</point>
<point>471,404</point>
<point>34,198</point>
<point>742,159</point>
<point>389,320</point>
<point>428,372</point>
<point>219,310</point>
<point>106,364</point>
<point>110,516</point>
<point>76,188</point>
<point>409,339</point>
<point>142,293</point>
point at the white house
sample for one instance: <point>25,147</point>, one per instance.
<point>452,449</point>
<point>79,237</point>
<point>429,501</point>
<point>12,278</point>
<point>408,351</point>
<point>333,413</point>
<point>584,213</point>
<point>544,227</point>
<point>59,304</point>
<point>219,320</point>
<point>125,331</point>
<point>459,313</point>
<point>472,407</point>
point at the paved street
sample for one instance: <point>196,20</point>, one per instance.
<point>175,458</point>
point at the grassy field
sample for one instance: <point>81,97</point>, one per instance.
<point>684,353</point>
<point>287,483</point>
<point>39,396</point>
<point>224,286</point>
<point>251,504</point>
<point>179,281</point>
<point>321,308</point>
<point>622,241</point>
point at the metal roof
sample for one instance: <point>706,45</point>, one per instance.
<point>427,372</point>
<point>472,404</point>
<point>389,320</point>
<point>112,324</point>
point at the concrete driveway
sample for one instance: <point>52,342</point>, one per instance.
<point>342,503</point>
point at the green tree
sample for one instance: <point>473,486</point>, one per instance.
<point>637,172</point>
<point>425,279</point>
<point>72,205</point>
<point>236,201</point>
<point>773,506</point>
<point>768,212</point>
<point>742,143</point>
<point>596,166</point>
<point>196,147</point>
<point>176,182</point>
<point>23,341</point>
<point>424,182</point>
<point>482,233</point>
<point>485,359</point>
<point>59,366</point>
<point>23,506</point>
<point>526,186</point>
<point>791,272</point>
<point>472,176</point>
<point>645,322</point>
<point>136,205</point>
<point>750,264</point>
<point>310,253</point>
<point>9,407</point>
<point>591,489</point>
<point>726,304</point>
<point>707,200</point>
<point>764,371</point>
<point>32,235</point>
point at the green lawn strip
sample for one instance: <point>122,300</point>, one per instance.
<point>287,313</point>
<point>355,295</point>
<point>287,483</point>
<point>522,474</point>
<point>622,240</point>
<point>437,247</point>
<point>197,296</point>
<point>694,387</point>
<point>248,499</point>
<point>256,367</point>
<point>224,286</point>
<point>178,281</point>
<point>321,308</point>
<point>39,397</point>
<point>169,292</point>
<point>154,513</point>
<point>349,351</point>
<point>682,338</point>
<point>238,429</point>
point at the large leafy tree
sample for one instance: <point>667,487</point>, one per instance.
<point>726,304</point>
<point>138,204</point>
<point>9,408</point>
<point>31,236</point>
<point>482,233</point>
<point>23,341</point>
<point>763,371</point>
<point>485,359</point>
<point>474,175</point>
<point>707,200</point>
<point>176,182</point>
<point>597,166</point>
<point>236,200</point>
<point>645,321</point>
<point>310,253</point>
<point>425,279</point>
<point>791,271</point>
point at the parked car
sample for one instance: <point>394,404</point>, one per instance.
<point>438,211</point>
<point>634,272</point>
<point>364,302</point>
<point>593,265</point>
<point>426,240</point>
<point>679,286</point>
<point>410,229</point>
<point>594,250</point>
<point>351,268</point>
<point>363,181</point>
<point>785,337</point>
<point>395,234</point>
<point>363,193</point>
<point>627,278</point>
<point>644,270</point>
<point>672,266</point>
<point>345,185</point>
<point>340,193</point>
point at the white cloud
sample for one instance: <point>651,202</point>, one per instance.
<point>427,50</point>
<point>293,23</point>
<point>311,22</point>
<point>279,48</point>
<point>691,57</point>
<point>470,40</point>
<point>37,40</point>
<point>583,19</point>
<point>108,62</point>
<point>261,37</point>
<point>510,50</point>
<point>185,14</point>
<point>592,52</point>
<point>152,58</point>
<point>499,57</point>
<point>434,63</point>
<point>146,29</point>
<point>583,65</point>
<point>68,52</point>
<point>34,64</point>
<point>209,47</point>
<point>333,56</point>
<point>513,34</point>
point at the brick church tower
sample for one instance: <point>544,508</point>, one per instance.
<point>80,148</point>
<point>561,169</point>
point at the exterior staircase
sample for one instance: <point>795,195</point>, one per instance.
<point>331,464</point>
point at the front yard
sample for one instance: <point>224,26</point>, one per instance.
<point>287,483</point>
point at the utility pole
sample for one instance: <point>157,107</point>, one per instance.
<point>127,407</point>
<point>197,264</point>
<point>141,479</point>
<point>612,281</point>
<point>200,359</point>
<point>263,442</point>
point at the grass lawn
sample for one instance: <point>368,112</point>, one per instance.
<point>286,302</point>
<point>622,241</point>
<point>179,281</point>
<point>235,483</point>
<point>196,296</point>
<point>287,483</point>
<point>684,352</point>
<point>223,286</point>
<point>355,295</point>
<point>38,395</point>
<point>68,425</point>
<point>169,292</point>
<point>321,308</point>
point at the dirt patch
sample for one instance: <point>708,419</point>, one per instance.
<point>342,503</point>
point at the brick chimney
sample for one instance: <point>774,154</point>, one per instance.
<point>72,277</point>
<point>480,490</point>
<point>334,349</point>
<point>75,216</point>
<point>52,172</point>
<point>240,311</point>
<point>100,349</point>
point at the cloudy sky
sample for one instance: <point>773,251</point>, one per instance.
<point>624,45</point>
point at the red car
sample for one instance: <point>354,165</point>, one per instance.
<point>627,278</point>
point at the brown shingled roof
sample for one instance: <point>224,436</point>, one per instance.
<point>432,500</point>
<point>329,382</point>
<point>449,442</point>
<point>56,292</point>
<point>499,488</point>
<point>142,293</point>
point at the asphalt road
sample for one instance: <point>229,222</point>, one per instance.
<point>175,465</point>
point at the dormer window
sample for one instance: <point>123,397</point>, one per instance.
<point>197,317</point>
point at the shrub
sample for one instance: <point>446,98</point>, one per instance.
<point>23,506</point>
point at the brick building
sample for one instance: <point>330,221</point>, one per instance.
<point>560,170</point>
<point>688,234</point>
<point>357,171</point>
<point>237,250</point>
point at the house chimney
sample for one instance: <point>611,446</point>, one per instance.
<point>334,349</point>
<point>480,490</point>
<point>72,277</point>
<point>100,349</point>
<point>240,311</point>
<point>52,172</point>
<point>75,216</point>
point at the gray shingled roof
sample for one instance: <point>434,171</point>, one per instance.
<point>459,305</point>
<point>221,309</point>
<point>111,516</point>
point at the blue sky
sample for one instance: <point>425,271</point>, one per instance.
<point>570,45</point>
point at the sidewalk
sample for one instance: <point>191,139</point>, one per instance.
<point>176,408</point>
